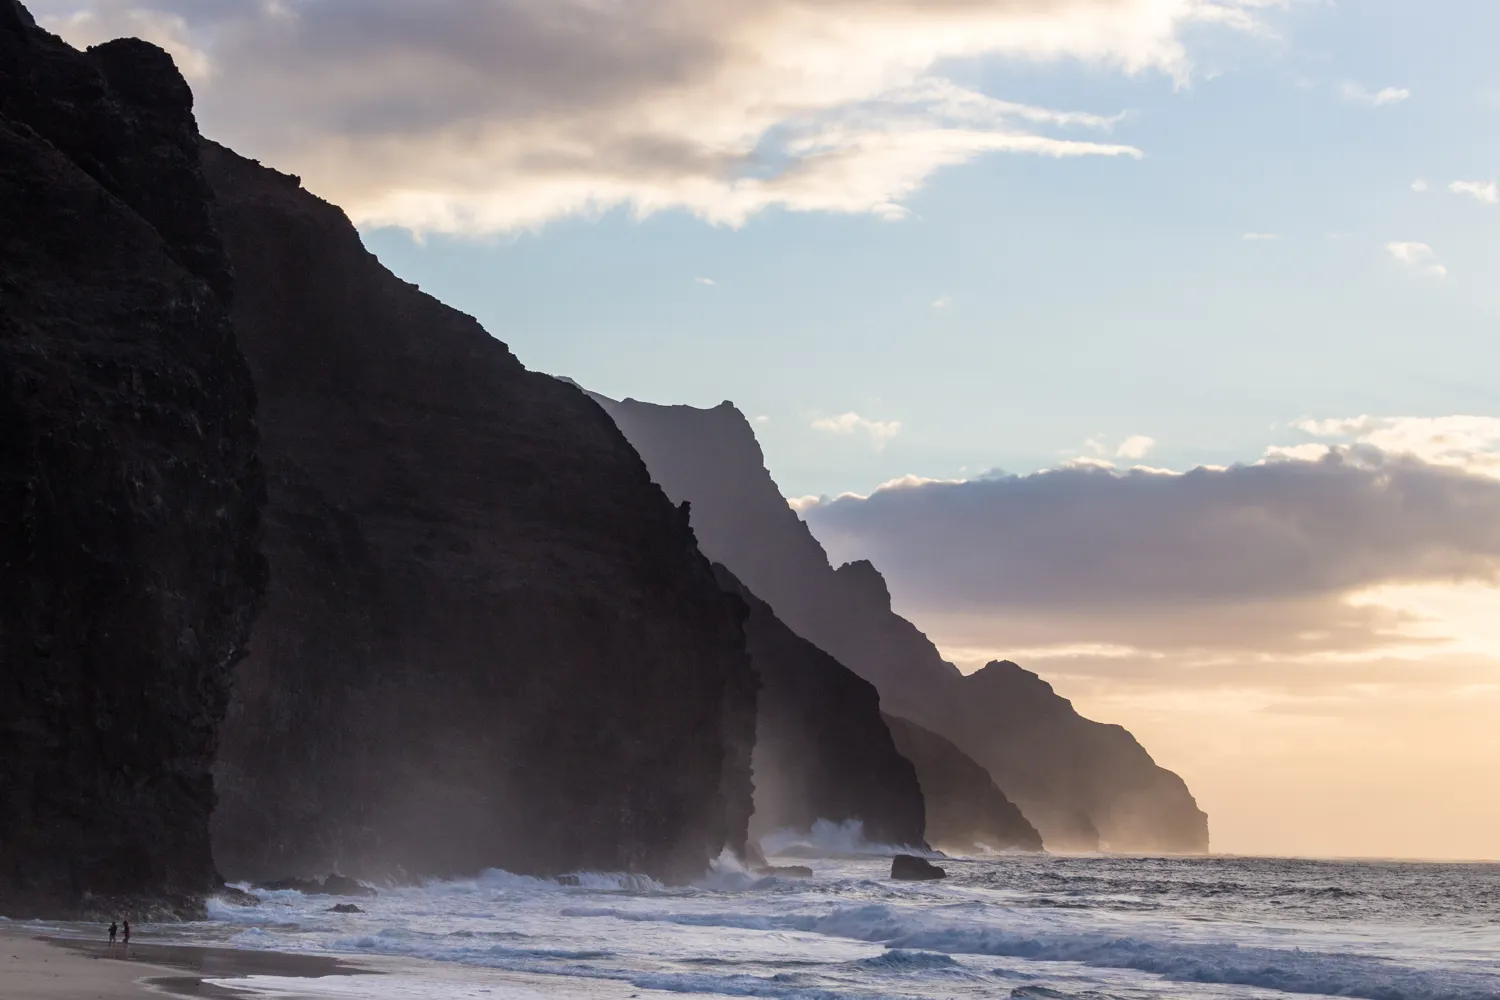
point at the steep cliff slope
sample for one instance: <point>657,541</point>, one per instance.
<point>1081,784</point>
<point>821,748</point>
<point>489,639</point>
<point>1071,775</point>
<point>129,489</point>
<point>965,809</point>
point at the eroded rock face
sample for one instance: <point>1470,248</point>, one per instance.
<point>129,487</point>
<point>822,750</point>
<point>489,640</point>
<point>907,868</point>
<point>966,811</point>
<point>1084,785</point>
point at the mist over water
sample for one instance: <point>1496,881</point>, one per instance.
<point>1028,927</point>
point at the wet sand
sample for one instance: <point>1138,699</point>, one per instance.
<point>58,968</point>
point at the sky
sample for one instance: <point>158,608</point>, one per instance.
<point>1149,343</point>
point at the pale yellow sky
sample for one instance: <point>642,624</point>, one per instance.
<point>1391,751</point>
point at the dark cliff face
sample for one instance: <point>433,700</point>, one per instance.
<point>822,750</point>
<point>966,811</point>
<point>489,640</point>
<point>129,487</point>
<point>1091,783</point>
<point>1082,784</point>
<point>712,458</point>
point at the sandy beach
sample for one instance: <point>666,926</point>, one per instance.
<point>38,967</point>
<point>39,964</point>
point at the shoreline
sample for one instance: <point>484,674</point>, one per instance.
<point>41,964</point>
<point>49,963</point>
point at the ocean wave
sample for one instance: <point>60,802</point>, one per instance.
<point>933,931</point>
<point>897,959</point>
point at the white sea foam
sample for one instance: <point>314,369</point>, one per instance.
<point>828,839</point>
<point>1036,928</point>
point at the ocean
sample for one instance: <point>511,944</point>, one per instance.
<point>1030,927</point>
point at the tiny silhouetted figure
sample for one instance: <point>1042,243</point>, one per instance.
<point>113,928</point>
<point>125,935</point>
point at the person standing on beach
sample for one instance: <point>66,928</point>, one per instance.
<point>112,929</point>
<point>125,936</point>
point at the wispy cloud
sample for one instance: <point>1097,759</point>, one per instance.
<point>1419,186</point>
<point>1260,237</point>
<point>879,432</point>
<point>473,118</point>
<point>1376,98</point>
<point>945,302</point>
<point>1482,191</point>
<point>705,281</point>
<point>1418,256</point>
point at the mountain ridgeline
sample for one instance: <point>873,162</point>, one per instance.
<point>304,572</point>
<point>1084,785</point>
<point>130,491</point>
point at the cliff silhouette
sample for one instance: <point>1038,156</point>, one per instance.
<point>130,490</point>
<point>489,639</point>
<point>1084,785</point>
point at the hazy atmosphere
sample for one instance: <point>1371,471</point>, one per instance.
<point>1147,343</point>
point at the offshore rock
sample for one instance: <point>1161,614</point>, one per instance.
<point>129,486</point>
<point>822,750</point>
<point>1084,785</point>
<point>966,812</point>
<point>489,640</point>
<point>906,868</point>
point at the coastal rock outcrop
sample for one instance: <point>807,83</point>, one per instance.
<point>822,750</point>
<point>966,811</point>
<point>1082,784</point>
<point>130,492</point>
<point>909,868</point>
<point>489,640</point>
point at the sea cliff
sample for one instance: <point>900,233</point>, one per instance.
<point>130,491</point>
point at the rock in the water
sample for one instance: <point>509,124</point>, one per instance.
<point>822,750</point>
<point>785,871</point>
<point>490,640</point>
<point>130,492</point>
<point>344,908</point>
<point>908,868</point>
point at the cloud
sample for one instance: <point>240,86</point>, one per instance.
<point>762,419</point>
<point>1136,446</point>
<point>705,281</point>
<point>1482,191</point>
<point>1461,441</point>
<point>1375,99</point>
<point>942,303</point>
<point>475,117</point>
<point>1419,186</point>
<point>1259,237</point>
<point>1419,256</point>
<point>847,424</point>
<point>115,19</point>
<point>1273,536</point>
